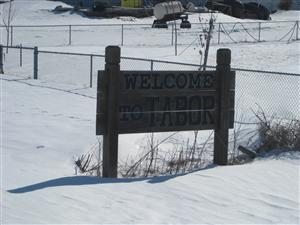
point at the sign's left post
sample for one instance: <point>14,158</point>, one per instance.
<point>109,110</point>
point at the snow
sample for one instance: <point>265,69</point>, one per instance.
<point>40,138</point>
<point>140,40</point>
<point>46,123</point>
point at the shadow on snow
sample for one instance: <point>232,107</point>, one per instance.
<point>88,180</point>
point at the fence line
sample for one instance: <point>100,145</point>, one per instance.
<point>36,53</point>
<point>144,24</point>
<point>275,92</point>
<point>220,29</point>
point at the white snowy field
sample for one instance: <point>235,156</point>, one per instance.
<point>144,42</point>
<point>46,123</point>
<point>44,127</point>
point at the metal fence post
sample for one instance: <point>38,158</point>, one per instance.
<point>297,30</point>
<point>35,63</point>
<point>7,38</point>
<point>172,41</point>
<point>11,35</point>
<point>219,34</point>
<point>151,65</point>
<point>70,34</point>
<point>259,31</point>
<point>91,71</point>
<point>21,55</point>
<point>122,34</point>
<point>1,59</point>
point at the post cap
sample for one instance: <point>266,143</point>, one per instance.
<point>223,56</point>
<point>112,54</point>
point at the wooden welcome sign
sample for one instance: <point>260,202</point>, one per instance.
<point>159,101</point>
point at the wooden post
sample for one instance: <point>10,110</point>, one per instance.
<point>223,99</point>
<point>110,137</point>
<point>35,63</point>
<point>209,35</point>
<point>1,59</point>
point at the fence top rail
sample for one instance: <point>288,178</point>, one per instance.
<point>254,22</point>
<point>145,24</point>
<point>267,72</point>
<point>208,66</point>
<point>154,61</point>
<point>70,53</point>
<point>71,25</point>
<point>18,47</point>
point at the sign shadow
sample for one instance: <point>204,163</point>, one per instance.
<point>88,180</point>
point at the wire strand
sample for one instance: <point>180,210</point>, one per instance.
<point>223,28</point>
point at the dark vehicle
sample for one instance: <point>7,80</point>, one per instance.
<point>256,11</point>
<point>236,8</point>
<point>230,7</point>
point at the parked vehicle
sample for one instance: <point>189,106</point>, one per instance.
<point>256,11</point>
<point>238,9</point>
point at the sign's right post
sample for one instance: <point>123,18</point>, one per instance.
<point>224,119</point>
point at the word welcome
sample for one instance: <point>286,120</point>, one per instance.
<point>167,80</point>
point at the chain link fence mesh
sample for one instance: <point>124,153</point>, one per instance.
<point>71,69</point>
<point>18,62</point>
<point>275,93</point>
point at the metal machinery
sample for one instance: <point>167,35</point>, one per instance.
<point>168,11</point>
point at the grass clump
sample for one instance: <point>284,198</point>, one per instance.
<point>278,134</point>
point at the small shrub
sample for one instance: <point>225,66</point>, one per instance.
<point>90,163</point>
<point>276,134</point>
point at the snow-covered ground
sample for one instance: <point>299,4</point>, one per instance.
<point>44,127</point>
<point>144,42</point>
<point>46,123</point>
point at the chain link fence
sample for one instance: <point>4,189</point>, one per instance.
<point>138,34</point>
<point>276,93</point>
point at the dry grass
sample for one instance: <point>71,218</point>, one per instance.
<point>278,134</point>
<point>181,157</point>
<point>175,155</point>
